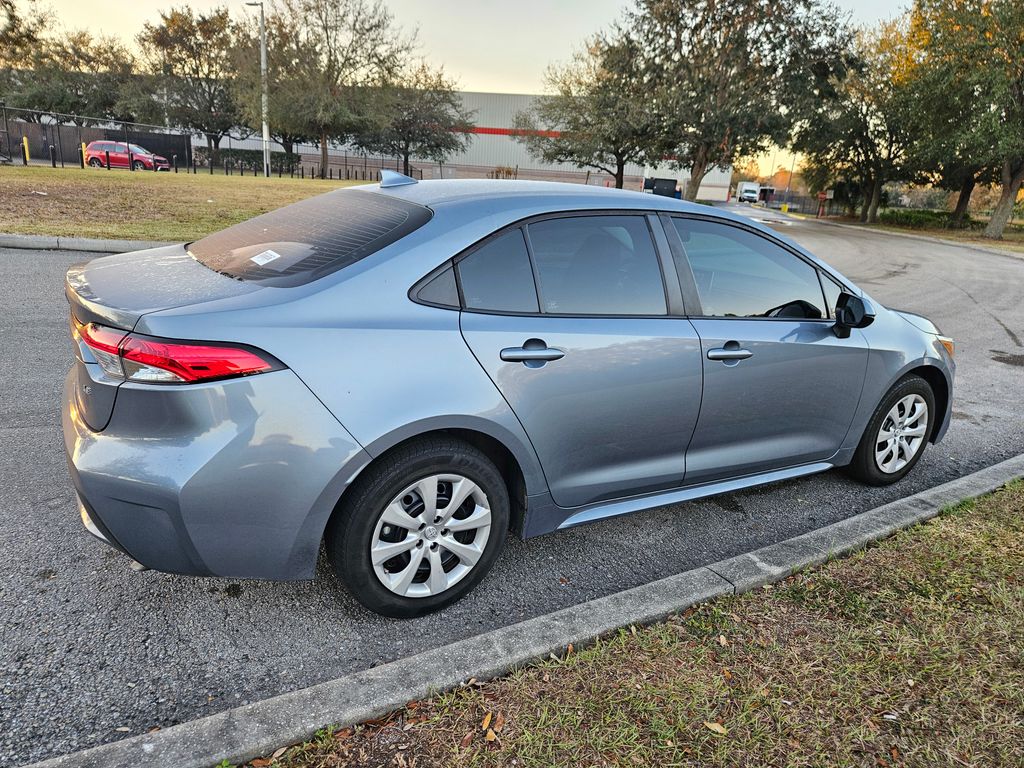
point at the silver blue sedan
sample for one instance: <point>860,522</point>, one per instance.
<point>403,373</point>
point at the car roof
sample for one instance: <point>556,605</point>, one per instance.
<point>542,196</point>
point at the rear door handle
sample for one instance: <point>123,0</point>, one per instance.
<point>731,351</point>
<point>533,351</point>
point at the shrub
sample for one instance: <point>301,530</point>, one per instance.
<point>913,218</point>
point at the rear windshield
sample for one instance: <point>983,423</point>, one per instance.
<point>309,239</point>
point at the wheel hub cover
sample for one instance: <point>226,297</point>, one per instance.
<point>430,533</point>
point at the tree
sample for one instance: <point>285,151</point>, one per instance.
<point>975,49</point>
<point>19,31</point>
<point>189,58</point>
<point>728,77</point>
<point>286,60</point>
<point>423,118</point>
<point>344,51</point>
<point>75,74</point>
<point>864,129</point>
<point>599,114</point>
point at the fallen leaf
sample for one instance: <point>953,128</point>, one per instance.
<point>279,752</point>
<point>718,728</point>
<point>486,723</point>
<point>499,723</point>
<point>722,641</point>
<point>154,729</point>
<point>568,650</point>
<point>260,762</point>
<point>546,678</point>
<point>122,729</point>
<point>727,674</point>
<point>491,736</point>
<point>466,740</point>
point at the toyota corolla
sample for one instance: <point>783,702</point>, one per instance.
<point>402,374</point>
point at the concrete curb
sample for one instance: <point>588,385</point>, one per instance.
<point>246,732</point>
<point>84,244</point>
<point>912,236</point>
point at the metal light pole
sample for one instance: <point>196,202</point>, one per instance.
<point>263,88</point>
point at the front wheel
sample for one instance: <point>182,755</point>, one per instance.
<point>897,434</point>
<point>95,162</point>
<point>138,165</point>
<point>420,529</point>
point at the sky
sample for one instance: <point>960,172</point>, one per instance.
<point>486,45</point>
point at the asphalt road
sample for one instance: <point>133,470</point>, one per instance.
<point>91,651</point>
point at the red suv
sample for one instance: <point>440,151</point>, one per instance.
<point>141,159</point>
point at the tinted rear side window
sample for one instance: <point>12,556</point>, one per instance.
<point>309,239</point>
<point>597,265</point>
<point>497,277</point>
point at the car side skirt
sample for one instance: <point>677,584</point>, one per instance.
<point>540,516</point>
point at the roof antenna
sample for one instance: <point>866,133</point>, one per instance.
<point>394,179</point>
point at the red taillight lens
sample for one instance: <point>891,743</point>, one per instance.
<point>186,362</point>
<point>161,361</point>
<point>101,338</point>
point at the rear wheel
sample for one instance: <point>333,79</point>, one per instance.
<point>897,434</point>
<point>420,529</point>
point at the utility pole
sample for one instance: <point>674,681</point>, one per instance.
<point>264,89</point>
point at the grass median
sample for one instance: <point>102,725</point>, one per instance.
<point>125,205</point>
<point>910,653</point>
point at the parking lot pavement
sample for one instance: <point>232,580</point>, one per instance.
<point>91,651</point>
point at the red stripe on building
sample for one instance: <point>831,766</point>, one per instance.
<point>514,132</point>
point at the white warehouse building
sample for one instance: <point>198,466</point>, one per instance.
<point>494,146</point>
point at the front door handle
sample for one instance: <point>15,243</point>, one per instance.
<point>534,353</point>
<point>731,351</point>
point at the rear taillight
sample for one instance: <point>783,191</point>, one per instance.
<point>162,361</point>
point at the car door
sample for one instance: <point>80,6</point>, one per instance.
<point>118,155</point>
<point>569,317</point>
<point>780,388</point>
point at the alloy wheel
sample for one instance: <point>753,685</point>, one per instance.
<point>902,433</point>
<point>431,535</point>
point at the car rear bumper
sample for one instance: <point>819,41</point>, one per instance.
<point>234,478</point>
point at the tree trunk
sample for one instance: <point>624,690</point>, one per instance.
<point>1012,179</point>
<point>620,172</point>
<point>323,154</point>
<point>876,199</point>
<point>956,220</point>
<point>865,199</point>
<point>214,143</point>
<point>405,162</point>
<point>697,173</point>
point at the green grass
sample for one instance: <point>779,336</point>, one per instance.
<point>907,654</point>
<point>139,206</point>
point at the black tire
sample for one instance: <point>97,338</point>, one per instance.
<point>864,466</point>
<point>349,534</point>
<point>95,162</point>
<point>138,165</point>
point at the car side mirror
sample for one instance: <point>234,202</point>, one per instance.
<point>852,312</point>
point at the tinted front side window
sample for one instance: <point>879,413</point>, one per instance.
<point>306,240</point>
<point>497,276</point>
<point>741,274</point>
<point>597,265</point>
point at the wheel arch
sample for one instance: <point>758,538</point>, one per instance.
<point>940,389</point>
<point>516,462</point>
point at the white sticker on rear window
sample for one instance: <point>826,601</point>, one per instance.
<point>265,257</point>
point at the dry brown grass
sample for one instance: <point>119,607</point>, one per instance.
<point>119,204</point>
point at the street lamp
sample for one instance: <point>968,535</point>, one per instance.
<point>263,88</point>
